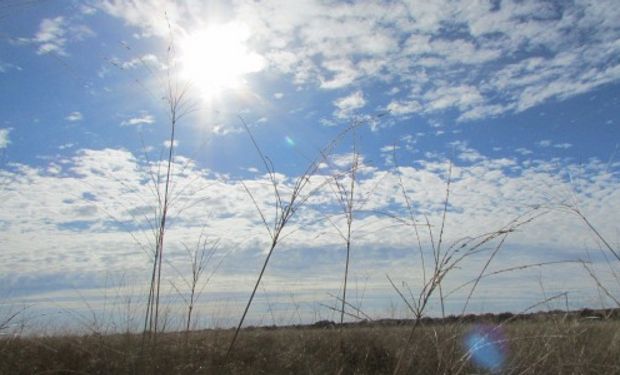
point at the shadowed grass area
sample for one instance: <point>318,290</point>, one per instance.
<point>540,346</point>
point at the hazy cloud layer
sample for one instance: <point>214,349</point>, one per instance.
<point>92,214</point>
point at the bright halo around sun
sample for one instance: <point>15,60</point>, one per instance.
<point>217,58</point>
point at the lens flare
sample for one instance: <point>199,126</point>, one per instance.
<point>487,346</point>
<point>289,141</point>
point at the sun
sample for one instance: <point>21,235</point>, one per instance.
<point>217,58</point>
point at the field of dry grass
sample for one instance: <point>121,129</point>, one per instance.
<point>549,345</point>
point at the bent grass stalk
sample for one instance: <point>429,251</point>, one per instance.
<point>346,198</point>
<point>284,209</point>
<point>447,260</point>
<point>175,102</point>
<point>178,107</point>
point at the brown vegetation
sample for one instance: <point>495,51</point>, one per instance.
<point>549,344</point>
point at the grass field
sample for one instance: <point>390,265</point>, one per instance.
<point>544,344</point>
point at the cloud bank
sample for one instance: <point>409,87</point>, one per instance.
<point>82,218</point>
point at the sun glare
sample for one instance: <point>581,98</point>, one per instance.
<point>217,58</point>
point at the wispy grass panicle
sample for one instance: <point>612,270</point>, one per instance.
<point>285,206</point>
<point>446,259</point>
<point>201,257</point>
<point>345,192</point>
<point>178,106</point>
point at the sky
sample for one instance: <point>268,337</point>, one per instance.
<point>511,106</point>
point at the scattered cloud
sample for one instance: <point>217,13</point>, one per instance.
<point>66,146</point>
<point>54,33</point>
<point>167,143</point>
<point>149,61</point>
<point>389,148</point>
<point>393,91</point>
<point>327,122</point>
<point>147,14</point>
<point>544,143</point>
<point>547,143</point>
<point>143,119</point>
<point>387,152</point>
<point>523,151</point>
<point>338,74</point>
<point>470,60</point>
<point>6,67</point>
<point>347,105</point>
<point>404,107</point>
<point>4,138</point>
<point>505,57</point>
<point>80,32</point>
<point>76,215</point>
<point>87,10</point>
<point>51,36</point>
<point>74,116</point>
<point>408,141</point>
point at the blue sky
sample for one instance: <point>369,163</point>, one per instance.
<point>521,96</point>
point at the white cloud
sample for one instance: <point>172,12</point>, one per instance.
<point>278,95</point>
<point>462,97</point>
<point>80,32</point>
<point>51,36</point>
<point>328,122</point>
<point>87,10</point>
<point>167,143</point>
<point>67,217</point>
<point>5,67</point>
<point>4,138</point>
<point>393,91</point>
<point>74,116</point>
<point>492,67</point>
<point>481,181</point>
<point>149,61</point>
<point>148,14</point>
<point>544,143</point>
<point>54,33</point>
<point>66,146</point>
<point>404,108</point>
<point>389,148</point>
<point>483,111</point>
<point>338,74</point>
<point>143,119</point>
<point>225,129</point>
<point>489,85</point>
<point>548,143</point>
<point>349,104</point>
<point>523,151</point>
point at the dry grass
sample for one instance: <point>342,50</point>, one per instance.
<point>545,346</point>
